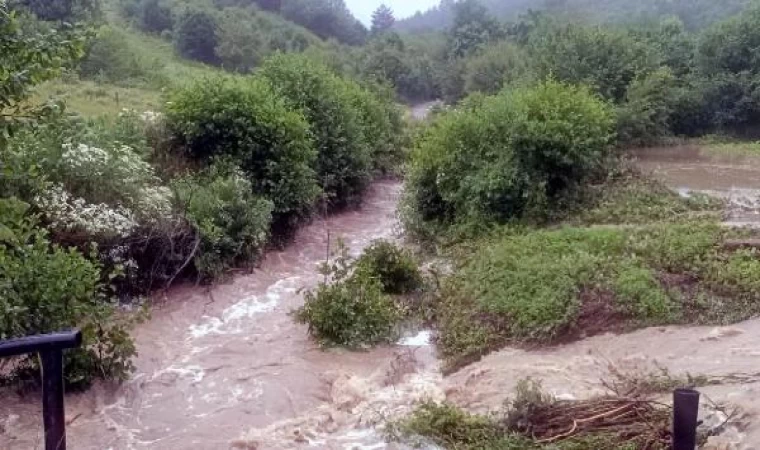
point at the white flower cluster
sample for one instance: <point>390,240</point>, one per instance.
<point>67,213</point>
<point>151,117</point>
<point>154,204</point>
<point>82,158</point>
<point>119,168</point>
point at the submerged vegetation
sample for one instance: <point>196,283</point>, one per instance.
<point>359,302</point>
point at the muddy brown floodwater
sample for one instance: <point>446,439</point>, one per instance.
<point>688,169</point>
<point>227,366</point>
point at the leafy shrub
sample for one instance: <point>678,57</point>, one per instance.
<point>606,59</point>
<point>344,155</point>
<point>195,35</point>
<point>394,268</point>
<point>497,159</point>
<point>382,125</point>
<point>495,67</point>
<point>108,58</point>
<point>645,119</point>
<point>155,16</point>
<point>248,122</point>
<point>97,185</point>
<point>232,223</point>
<point>45,288</point>
<point>350,309</point>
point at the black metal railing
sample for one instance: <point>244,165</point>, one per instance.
<point>50,347</point>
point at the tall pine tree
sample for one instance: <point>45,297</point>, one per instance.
<point>382,19</point>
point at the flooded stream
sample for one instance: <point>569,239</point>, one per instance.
<point>688,169</point>
<point>228,366</point>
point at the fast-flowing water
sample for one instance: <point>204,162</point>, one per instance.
<point>688,168</point>
<point>227,366</point>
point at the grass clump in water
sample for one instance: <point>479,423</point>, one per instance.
<point>355,305</point>
<point>393,267</point>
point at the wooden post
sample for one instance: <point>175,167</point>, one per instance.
<point>685,413</point>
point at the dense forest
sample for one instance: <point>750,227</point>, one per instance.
<point>694,13</point>
<point>147,142</point>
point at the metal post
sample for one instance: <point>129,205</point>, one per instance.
<point>50,348</point>
<point>685,414</point>
<point>53,413</point>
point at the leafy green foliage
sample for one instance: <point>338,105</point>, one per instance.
<point>231,222</point>
<point>538,286</point>
<point>633,199</point>
<point>107,58</point>
<point>45,288</point>
<point>606,59</point>
<point>496,66</point>
<point>155,16</point>
<point>247,37</point>
<point>249,122</point>
<point>196,35</point>
<point>646,117</point>
<point>349,308</point>
<point>382,19</point>
<point>344,154</point>
<point>472,28</point>
<point>326,18</point>
<point>29,57</point>
<point>498,159</point>
<point>60,10</point>
<point>393,267</point>
<point>381,123</point>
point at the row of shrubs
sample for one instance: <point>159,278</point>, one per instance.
<point>112,208</point>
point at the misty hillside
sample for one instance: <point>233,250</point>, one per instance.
<point>694,13</point>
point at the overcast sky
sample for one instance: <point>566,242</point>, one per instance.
<point>363,9</point>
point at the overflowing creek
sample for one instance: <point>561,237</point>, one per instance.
<point>689,169</point>
<point>226,366</point>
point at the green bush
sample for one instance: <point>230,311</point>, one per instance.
<point>155,16</point>
<point>350,309</point>
<point>344,154</point>
<point>645,118</point>
<point>45,288</point>
<point>499,158</point>
<point>382,125</point>
<point>196,35</point>
<point>247,121</point>
<point>606,59</point>
<point>394,268</point>
<point>496,66</point>
<point>232,223</point>
<point>108,58</point>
